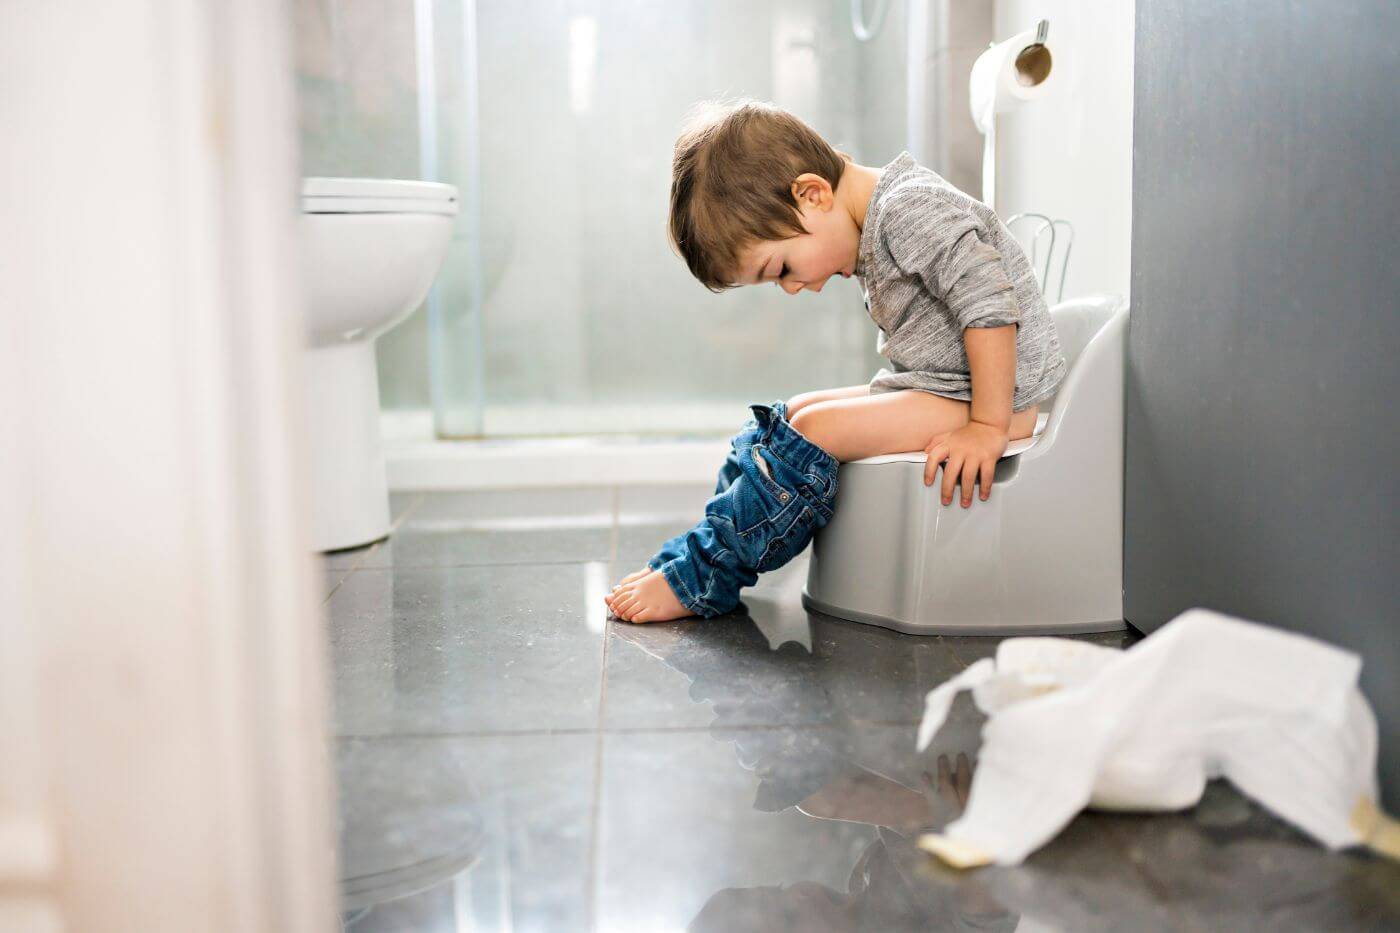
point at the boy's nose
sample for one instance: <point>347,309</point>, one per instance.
<point>792,288</point>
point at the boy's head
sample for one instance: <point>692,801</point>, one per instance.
<point>754,199</point>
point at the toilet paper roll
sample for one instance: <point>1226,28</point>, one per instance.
<point>1006,75</point>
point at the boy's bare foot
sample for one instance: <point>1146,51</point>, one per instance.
<point>634,575</point>
<point>648,599</point>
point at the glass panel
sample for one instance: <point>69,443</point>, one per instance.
<point>561,308</point>
<point>592,323</point>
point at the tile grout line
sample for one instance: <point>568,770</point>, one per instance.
<point>597,803</point>
<point>952,651</point>
<point>412,507</point>
<point>481,565</point>
<point>616,730</point>
<point>393,527</point>
<point>335,588</point>
<point>613,526</point>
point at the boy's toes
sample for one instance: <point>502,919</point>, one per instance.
<point>611,597</point>
<point>624,603</point>
<point>650,600</point>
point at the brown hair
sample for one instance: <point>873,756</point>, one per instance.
<point>731,182</point>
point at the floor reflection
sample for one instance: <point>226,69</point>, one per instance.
<point>512,761</point>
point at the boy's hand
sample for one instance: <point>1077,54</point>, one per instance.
<point>971,449</point>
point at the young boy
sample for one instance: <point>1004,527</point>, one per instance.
<point>757,196</point>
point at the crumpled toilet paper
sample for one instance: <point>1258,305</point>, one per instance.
<point>1074,725</point>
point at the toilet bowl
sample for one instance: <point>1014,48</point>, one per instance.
<point>1044,554</point>
<point>370,249</point>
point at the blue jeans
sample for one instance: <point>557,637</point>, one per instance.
<point>774,491</point>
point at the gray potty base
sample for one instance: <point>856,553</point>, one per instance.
<point>950,628</point>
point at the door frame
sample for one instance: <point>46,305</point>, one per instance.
<point>163,695</point>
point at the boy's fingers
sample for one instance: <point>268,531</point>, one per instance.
<point>989,472</point>
<point>969,478</point>
<point>935,456</point>
<point>950,477</point>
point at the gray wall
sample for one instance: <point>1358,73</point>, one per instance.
<point>1262,436</point>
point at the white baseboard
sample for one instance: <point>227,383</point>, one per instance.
<point>416,461</point>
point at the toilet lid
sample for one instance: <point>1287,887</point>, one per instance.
<point>376,196</point>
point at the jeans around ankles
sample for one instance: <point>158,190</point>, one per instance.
<point>730,470</point>
<point>773,492</point>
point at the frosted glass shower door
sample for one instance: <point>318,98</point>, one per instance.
<point>590,324</point>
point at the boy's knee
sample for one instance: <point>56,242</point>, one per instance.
<point>799,402</point>
<point>817,424</point>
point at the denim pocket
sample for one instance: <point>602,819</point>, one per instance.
<point>786,545</point>
<point>765,471</point>
<point>816,486</point>
<point>754,506</point>
<point>819,484</point>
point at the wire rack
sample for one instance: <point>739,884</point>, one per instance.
<point>1053,228</point>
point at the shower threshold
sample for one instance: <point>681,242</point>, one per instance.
<point>416,460</point>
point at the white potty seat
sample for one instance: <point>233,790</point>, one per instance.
<point>1043,554</point>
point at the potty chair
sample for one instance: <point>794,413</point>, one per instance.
<point>1043,555</point>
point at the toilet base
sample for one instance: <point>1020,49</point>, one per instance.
<point>346,477</point>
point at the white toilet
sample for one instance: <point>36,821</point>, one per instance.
<point>370,249</point>
<point>1043,555</point>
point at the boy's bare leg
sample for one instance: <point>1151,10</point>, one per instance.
<point>794,405</point>
<point>891,423</point>
<point>804,399</point>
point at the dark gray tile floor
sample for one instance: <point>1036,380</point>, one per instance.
<point>510,759</point>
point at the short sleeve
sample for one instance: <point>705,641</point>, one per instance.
<point>946,246</point>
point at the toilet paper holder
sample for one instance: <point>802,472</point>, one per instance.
<point>1006,75</point>
<point>1033,62</point>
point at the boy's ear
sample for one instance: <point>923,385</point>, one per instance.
<point>810,188</point>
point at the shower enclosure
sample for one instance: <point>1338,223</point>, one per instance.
<point>561,308</point>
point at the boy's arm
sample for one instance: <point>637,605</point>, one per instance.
<point>972,450</point>
<point>946,244</point>
<point>991,357</point>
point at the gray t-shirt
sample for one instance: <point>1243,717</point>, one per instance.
<point>933,261</point>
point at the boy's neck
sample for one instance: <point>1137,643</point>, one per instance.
<point>854,190</point>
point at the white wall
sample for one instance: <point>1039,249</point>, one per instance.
<point>1070,154</point>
